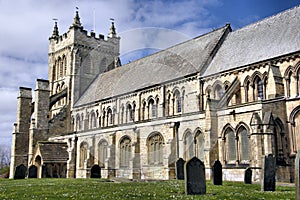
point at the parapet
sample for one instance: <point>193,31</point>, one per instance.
<point>25,92</point>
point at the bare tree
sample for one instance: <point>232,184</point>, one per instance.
<point>4,156</point>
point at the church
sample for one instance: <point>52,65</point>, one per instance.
<point>227,95</point>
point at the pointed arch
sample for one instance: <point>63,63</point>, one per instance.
<point>229,139</point>
<point>125,151</point>
<point>243,143</point>
<point>83,154</point>
<point>280,141</point>
<point>102,152</point>
<point>199,141</point>
<point>155,143</point>
<point>188,142</point>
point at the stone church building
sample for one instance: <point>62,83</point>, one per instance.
<point>226,95</point>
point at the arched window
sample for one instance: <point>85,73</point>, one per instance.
<point>243,144</point>
<point>247,91</point>
<point>199,139</point>
<point>109,117</point>
<point>218,92</point>
<point>83,154</point>
<point>93,120</point>
<point>189,145</point>
<point>230,146</point>
<point>102,152</point>
<point>122,114</point>
<point>144,111</point>
<point>177,102</point>
<point>78,123</point>
<point>65,65</point>
<point>288,83</point>
<point>125,152</point>
<point>152,109</point>
<point>280,142</point>
<point>259,88</point>
<point>155,149</point>
<point>129,113</point>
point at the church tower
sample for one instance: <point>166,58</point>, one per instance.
<point>75,59</point>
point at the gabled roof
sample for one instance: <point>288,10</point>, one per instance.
<point>53,151</point>
<point>269,38</point>
<point>175,62</point>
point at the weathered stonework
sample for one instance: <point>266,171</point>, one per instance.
<point>231,96</point>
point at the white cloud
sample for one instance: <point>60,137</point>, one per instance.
<point>27,25</point>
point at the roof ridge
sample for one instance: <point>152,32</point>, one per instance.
<point>280,13</point>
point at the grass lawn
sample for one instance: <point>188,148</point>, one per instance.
<point>101,189</point>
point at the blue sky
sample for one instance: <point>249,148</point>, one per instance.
<point>144,26</point>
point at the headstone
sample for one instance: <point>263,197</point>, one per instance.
<point>180,169</point>
<point>96,171</point>
<point>194,173</point>
<point>20,172</point>
<point>217,173</point>
<point>248,176</point>
<point>297,175</point>
<point>32,172</point>
<point>268,173</point>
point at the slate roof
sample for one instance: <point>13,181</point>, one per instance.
<point>53,151</point>
<point>269,38</point>
<point>175,62</point>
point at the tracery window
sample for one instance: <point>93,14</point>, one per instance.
<point>230,145</point>
<point>155,149</point>
<point>83,154</point>
<point>243,144</point>
<point>102,152</point>
<point>189,145</point>
<point>125,152</point>
<point>199,142</point>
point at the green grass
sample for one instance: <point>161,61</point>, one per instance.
<point>101,189</point>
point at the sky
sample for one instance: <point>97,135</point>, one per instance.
<point>144,27</point>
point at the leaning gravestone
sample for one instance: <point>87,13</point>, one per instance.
<point>217,173</point>
<point>180,169</point>
<point>248,176</point>
<point>268,173</point>
<point>194,173</point>
<point>297,175</point>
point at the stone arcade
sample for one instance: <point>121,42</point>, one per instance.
<point>231,96</point>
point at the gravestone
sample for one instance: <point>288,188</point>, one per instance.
<point>96,171</point>
<point>248,176</point>
<point>217,173</point>
<point>268,173</point>
<point>194,173</point>
<point>20,172</point>
<point>32,172</point>
<point>297,175</point>
<point>180,169</point>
